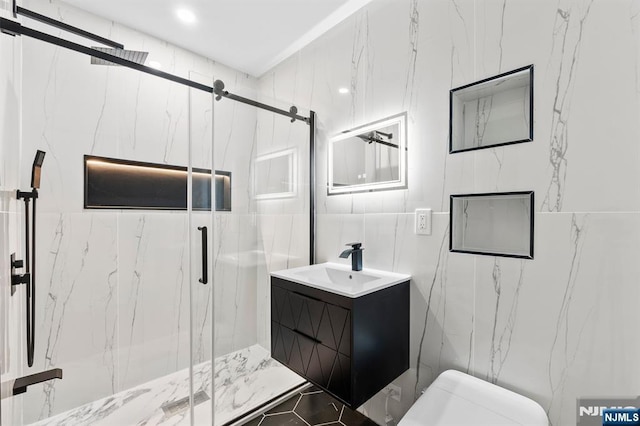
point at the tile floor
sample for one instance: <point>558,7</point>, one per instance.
<point>311,407</point>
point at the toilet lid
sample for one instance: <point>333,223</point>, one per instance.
<point>455,398</point>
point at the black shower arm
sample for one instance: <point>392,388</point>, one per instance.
<point>17,10</point>
<point>13,28</point>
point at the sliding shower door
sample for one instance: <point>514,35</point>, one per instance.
<point>123,290</point>
<point>158,224</point>
<point>265,228</point>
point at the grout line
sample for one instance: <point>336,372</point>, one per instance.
<point>297,402</point>
<point>300,417</point>
<point>341,414</point>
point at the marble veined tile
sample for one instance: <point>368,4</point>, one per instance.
<point>243,380</point>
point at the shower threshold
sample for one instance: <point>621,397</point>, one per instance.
<point>244,380</point>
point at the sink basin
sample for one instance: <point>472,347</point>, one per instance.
<point>340,279</point>
<point>330,275</point>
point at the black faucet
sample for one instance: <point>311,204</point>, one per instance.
<point>356,255</point>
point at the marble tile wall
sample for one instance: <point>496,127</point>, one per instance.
<point>552,328</point>
<point>113,302</point>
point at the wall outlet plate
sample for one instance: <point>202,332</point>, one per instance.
<point>423,222</point>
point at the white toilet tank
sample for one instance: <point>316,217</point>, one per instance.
<point>456,398</point>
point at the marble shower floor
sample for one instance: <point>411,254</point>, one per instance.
<point>244,380</point>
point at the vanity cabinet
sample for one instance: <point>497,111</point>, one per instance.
<point>350,347</point>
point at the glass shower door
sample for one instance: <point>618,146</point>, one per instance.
<point>266,229</point>
<point>119,305</point>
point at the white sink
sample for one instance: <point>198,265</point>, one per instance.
<point>340,279</point>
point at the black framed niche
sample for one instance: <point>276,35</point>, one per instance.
<point>492,224</point>
<point>111,183</point>
<point>492,112</point>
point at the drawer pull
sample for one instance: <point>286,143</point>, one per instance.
<point>307,336</point>
<point>304,296</point>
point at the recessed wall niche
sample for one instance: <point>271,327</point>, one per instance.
<point>492,112</point>
<point>493,224</point>
<point>111,183</point>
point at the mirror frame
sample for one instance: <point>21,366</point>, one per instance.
<point>400,183</point>
<point>291,153</point>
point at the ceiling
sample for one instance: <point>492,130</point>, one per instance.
<point>249,35</point>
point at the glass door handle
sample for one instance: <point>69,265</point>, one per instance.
<point>205,278</point>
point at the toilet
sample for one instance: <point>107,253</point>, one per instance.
<point>456,398</point>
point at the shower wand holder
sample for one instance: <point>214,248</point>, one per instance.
<point>22,195</point>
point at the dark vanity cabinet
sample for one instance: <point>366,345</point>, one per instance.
<point>351,347</point>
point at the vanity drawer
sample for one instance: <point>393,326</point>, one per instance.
<point>322,365</point>
<point>307,313</point>
<point>327,323</point>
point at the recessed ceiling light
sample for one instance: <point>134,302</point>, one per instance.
<point>155,64</point>
<point>186,15</point>
<point>343,90</point>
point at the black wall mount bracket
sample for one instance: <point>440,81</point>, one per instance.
<point>17,279</point>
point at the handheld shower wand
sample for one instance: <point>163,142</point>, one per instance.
<point>29,277</point>
<point>36,169</point>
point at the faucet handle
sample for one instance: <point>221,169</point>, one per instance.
<point>355,246</point>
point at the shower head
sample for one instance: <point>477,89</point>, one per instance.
<point>130,55</point>
<point>35,170</point>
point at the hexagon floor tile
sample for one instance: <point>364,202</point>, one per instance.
<point>311,407</point>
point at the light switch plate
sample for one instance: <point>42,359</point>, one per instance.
<point>423,222</point>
